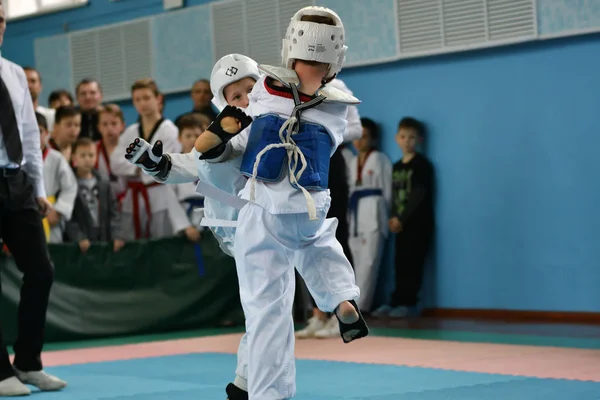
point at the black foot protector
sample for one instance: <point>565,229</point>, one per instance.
<point>235,393</point>
<point>355,330</point>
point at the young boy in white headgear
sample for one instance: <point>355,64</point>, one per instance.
<point>232,79</point>
<point>283,223</point>
<point>229,88</point>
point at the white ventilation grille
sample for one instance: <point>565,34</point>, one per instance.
<point>120,54</point>
<point>509,19</point>
<point>112,63</point>
<point>435,26</point>
<point>228,28</point>
<point>264,42</point>
<point>137,52</point>
<point>420,25</point>
<point>84,56</point>
<point>253,27</point>
<point>115,56</point>
<point>287,9</point>
<point>464,22</point>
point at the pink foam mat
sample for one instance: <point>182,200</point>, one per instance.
<point>531,361</point>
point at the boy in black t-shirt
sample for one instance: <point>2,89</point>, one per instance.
<point>412,218</point>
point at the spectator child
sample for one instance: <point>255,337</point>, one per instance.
<point>149,209</point>
<point>67,123</point>
<point>95,216</point>
<point>370,197</point>
<point>60,185</point>
<point>111,124</point>
<point>412,218</point>
<point>190,127</point>
<point>60,98</point>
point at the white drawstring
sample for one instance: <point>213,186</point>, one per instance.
<point>293,153</point>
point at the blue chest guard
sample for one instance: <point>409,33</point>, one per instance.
<point>272,165</point>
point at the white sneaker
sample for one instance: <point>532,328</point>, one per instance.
<point>330,330</point>
<point>382,311</point>
<point>399,312</point>
<point>41,380</point>
<point>314,325</point>
<point>12,386</point>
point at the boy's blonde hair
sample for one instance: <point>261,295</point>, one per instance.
<point>82,142</point>
<point>146,83</point>
<point>112,109</point>
<point>193,121</point>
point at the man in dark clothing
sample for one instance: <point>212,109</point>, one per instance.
<point>89,97</point>
<point>201,96</point>
<point>22,204</point>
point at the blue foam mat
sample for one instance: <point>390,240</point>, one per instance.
<point>204,376</point>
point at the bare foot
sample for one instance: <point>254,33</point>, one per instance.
<point>347,314</point>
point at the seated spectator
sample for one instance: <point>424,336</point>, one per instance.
<point>60,185</point>
<point>95,215</point>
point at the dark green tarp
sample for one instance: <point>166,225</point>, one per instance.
<point>147,287</point>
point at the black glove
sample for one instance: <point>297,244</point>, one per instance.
<point>229,111</point>
<point>214,152</point>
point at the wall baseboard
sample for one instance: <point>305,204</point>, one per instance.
<point>564,317</point>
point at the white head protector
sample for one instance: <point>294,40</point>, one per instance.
<point>229,69</point>
<point>311,41</point>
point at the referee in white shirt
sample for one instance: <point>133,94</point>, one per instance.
<point>22,199</point>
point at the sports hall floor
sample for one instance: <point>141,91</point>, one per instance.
<point>426,360</point>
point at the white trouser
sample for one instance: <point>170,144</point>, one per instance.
<point>267,247</point>
<point>367,251</point>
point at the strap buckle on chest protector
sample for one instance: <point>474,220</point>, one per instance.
<point>289,128</point>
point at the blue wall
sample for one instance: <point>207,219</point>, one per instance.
<point>514,134</point>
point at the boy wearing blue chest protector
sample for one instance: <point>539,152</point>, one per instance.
<point>232,79</point>
<point>285,138</point>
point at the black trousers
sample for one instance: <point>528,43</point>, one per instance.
<point>411,251</point>
<point>22,231</point>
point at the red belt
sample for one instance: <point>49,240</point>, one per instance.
<point>138,188</point>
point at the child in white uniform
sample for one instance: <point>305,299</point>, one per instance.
<point>282,223</point>
<point>180,169</point>
<point>149,210</point>
<point>190,127</point>
<point>368,211</point>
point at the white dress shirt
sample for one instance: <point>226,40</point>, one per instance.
<point>49,114</point>
<point>16,82</point>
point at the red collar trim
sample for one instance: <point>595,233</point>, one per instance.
<point>283,91</point>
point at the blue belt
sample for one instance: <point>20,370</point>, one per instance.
<point>192,203</point>
<point>353,203</point>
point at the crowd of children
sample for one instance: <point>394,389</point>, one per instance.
<point>97,197</point>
